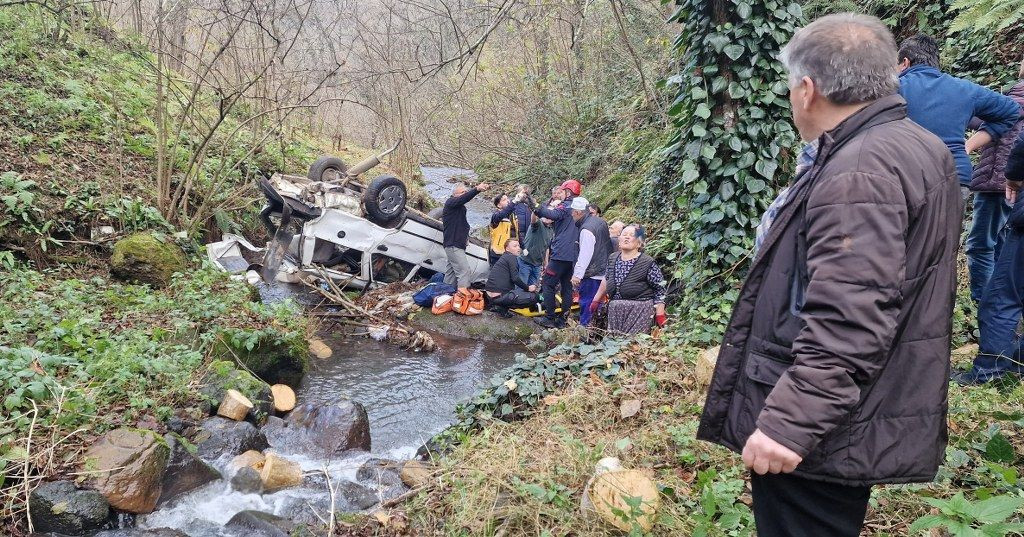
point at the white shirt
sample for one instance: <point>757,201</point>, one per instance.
<point>587,242</point>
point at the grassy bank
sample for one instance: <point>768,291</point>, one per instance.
<point>81,356</point>
<point>526,477</point>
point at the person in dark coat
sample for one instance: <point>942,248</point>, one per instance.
<point>561,258</point>
<point>634,285</point>
<point>455,232</point>
<point>849,296</point>
<point>505,289</point>
<point>1003,300</point>
<point>990,206</point>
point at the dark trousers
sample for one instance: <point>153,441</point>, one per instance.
<point>985,238</point>
<point>789,506</point>
<point>516,298</point>
<point>1000,311</point>
<point>557,273</point>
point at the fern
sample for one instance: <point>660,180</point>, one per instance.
<point>987,15</point>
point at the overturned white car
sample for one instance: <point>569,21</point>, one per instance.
<point>330,224</point>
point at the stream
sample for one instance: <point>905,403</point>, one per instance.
<point>408,396</point>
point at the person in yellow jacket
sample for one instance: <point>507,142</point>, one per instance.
<point>504,226</point>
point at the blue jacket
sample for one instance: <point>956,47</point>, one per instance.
<point>944,105</point>
<point>564,244</point>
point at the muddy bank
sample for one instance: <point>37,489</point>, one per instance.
<point>485,327</point>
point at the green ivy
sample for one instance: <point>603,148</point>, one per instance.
<point>733,147</point>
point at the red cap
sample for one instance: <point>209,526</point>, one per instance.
<point>573,186</point>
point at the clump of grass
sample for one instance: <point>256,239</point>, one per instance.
<point>527,477</point>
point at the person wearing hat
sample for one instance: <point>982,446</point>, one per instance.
<point>594,249</point>
<point>562,255</point>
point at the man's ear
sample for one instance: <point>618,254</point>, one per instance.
<point>807,95</point>
<point>904,65</point>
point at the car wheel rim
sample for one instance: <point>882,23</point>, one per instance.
<point>330,175</point>
<point>390,199</point>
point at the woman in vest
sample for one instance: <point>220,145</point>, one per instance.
<point>634,285</point>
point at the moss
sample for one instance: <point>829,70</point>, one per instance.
<point>189,446</point>
<point>276,362</point>
<point>222,376</point>
<point>144,258</point>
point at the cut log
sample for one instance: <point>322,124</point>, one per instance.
<point>706,365</point>
<point>613,492</point>
<point>251,458</point>
<point>234,406</point>
<point>416,473</point>
<point>284,397</point>
<point>279,472</point>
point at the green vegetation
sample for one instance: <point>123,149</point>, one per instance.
<point>526,477</point>
<point>81,356</point>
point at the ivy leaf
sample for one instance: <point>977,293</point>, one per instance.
<point>755,185</point>
<point>733,51</point>
<point>726,190</point>
<point>699,131</point>
<point>702,111</point>
<point>999,449</point>
<point>715,216</point>
<point>735,144</point>
<point>743,10</point>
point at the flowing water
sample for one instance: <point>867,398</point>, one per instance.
<point>408,396</point>
<point>436,179</point>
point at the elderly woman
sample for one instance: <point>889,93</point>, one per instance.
<point>634,285</point>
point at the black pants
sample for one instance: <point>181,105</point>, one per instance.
<point>789,506</point>
<point>516,298</point>
<point>557,273</point>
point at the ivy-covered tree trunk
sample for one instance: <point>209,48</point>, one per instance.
<point>733,146</point>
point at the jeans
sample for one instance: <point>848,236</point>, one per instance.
<point>985,238</point>
<point>588,288</point>
<point>530,274</point>
<point>558,274</point>
<point>457,272</point>
<point>1001,306</point>
<point>786,505</point>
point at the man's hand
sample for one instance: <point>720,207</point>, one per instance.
<point>1011,191</point>
<point>532,289</point>
<point>594,306</point>
<point>482,187</point>
<point>576,281</point>
<point>763,455</point>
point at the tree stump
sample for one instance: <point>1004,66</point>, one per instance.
<point>613,492</point>
<point>706,365</point>
<point>252,458</point>
<point>284,397</point>
<point>234,406</point>
<point>279,472</point>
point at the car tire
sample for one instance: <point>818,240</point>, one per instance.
<point>384,200</point>
<point>327,169</point>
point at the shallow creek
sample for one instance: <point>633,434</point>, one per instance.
<point>409,397</point>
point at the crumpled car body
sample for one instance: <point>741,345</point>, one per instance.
<point>328,235</point>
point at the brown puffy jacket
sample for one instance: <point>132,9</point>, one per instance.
<point>838,346</point>
<point>989,173</point>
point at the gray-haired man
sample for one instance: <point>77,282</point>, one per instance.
<point>849,297</point>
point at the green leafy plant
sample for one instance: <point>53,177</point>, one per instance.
<point>987,15</point>
<point>964,518</point>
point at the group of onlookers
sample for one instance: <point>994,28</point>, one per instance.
<point>949,107</point>
<point>563,248</point>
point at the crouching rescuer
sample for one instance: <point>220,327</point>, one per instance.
<point>505,288</point>
<point>833,371</point>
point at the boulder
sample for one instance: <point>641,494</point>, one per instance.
<point>350,497</point>
<point>276,362</point>
<point>384,476</point>
<point>59,507</point>
<point>706,361</point>
<point>247,481</point>
<point>185,471</point>
<point>220,436</point>
<point>144,258</point>
<point>258,524</point>
<point>137,532</point>
<point>222,376</point>
<point>128,465</point>
<point>416,473</point>
<point>323,431</point>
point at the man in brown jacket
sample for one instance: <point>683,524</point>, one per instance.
<point>833,372</point>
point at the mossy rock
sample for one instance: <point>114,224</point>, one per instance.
<point>485,327</point>
<point>144,258</point>
<point>273,361</point>
<point>222,376</point>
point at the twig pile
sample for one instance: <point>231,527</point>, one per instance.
<point>379,321</point>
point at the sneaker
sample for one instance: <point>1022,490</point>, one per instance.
<point>503,312</point>
<point>546,322</point>
<point>974,377</point>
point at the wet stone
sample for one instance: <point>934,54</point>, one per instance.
<point>185,471</point>
<point>258,524</point>
<point>219,436</point>
<point>60,507</point>
<point>247,481</point>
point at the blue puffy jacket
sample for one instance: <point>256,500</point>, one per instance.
<point>565,243</point>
